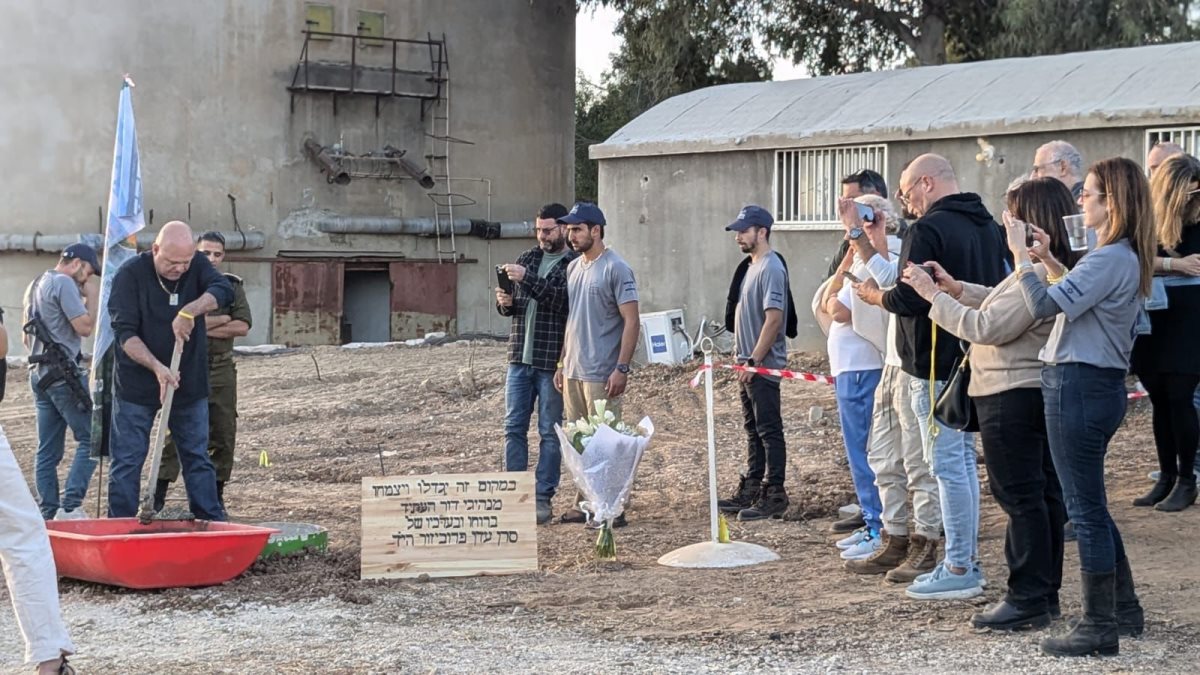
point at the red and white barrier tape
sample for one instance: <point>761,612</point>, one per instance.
<point>785,374</point>
<point>813,377</point>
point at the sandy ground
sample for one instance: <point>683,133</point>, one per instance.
<point>440,409</point>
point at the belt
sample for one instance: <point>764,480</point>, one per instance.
<point>219,357</point>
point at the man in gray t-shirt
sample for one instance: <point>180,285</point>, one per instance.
<point>760,342</point>
<point>65,299</point>
<point>602,324</point>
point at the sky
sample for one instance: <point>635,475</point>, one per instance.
<point>595,42</point>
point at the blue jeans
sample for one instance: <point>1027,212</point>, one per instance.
<point>1084,408</point>
<point>525,385</point>
<point>130,442</point>
<point>952,460</point>
<point>856,402</point>
<point>57,410</point>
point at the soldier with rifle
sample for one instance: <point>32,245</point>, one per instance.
<point>60,310</point>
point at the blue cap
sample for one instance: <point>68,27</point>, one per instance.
<point>82,252</point>
<point>751,216</point>
<point>583,212</point>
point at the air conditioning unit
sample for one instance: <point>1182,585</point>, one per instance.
<point>665,338</point>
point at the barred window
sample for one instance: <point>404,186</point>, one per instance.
<point>808,182</point>
<point>1186,137</point>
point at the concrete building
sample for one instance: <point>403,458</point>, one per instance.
<point>444,115</point>
<point>671,179</point>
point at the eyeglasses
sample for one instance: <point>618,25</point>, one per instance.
<point>902,195</point>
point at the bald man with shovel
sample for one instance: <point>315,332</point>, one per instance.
<point>158,301</point>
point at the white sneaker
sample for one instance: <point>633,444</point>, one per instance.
<point>76,514</point>
<point>855,537</point>
<point>870,543</point>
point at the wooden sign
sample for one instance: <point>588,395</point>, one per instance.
<point>448,525</point>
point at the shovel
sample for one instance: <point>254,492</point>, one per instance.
<point>146,510</point>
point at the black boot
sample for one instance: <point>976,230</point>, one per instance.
<point>1157,493</point>
<point>1131,620</point>
<point>771,503</point>
<point>1096,632</point>
<point>1006,616</point>
<point>743,498</point>
<point>221,493</point>
<point>1183,496</point>
<point>160,493</point>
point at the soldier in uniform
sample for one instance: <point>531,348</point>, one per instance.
<point>223,326</point>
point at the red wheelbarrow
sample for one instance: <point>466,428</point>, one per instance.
<point>161,554</point>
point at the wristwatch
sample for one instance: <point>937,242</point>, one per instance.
<point>623,368</point>
<point>751,363</point>
<point>856,232</point>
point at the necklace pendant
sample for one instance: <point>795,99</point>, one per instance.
<point>174,300</point>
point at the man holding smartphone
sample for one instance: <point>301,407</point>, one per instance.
<point>535,296</point>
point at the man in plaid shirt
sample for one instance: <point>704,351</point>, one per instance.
<point>538,307</point>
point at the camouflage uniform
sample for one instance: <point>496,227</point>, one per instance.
<point>222,397</point>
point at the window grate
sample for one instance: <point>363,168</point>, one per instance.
<point>808,182</point>
<point>1186,137</point>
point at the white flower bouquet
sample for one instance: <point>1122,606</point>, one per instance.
<point>604,465</point>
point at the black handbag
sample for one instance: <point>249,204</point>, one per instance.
<point>954,407</point>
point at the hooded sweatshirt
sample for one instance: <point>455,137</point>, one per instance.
<point>958,233</point>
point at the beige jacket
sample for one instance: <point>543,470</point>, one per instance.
<point>1005,337</point>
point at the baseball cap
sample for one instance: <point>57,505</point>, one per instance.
<point>751,216</point>
<point>82,252</point>
<point>583,212</point>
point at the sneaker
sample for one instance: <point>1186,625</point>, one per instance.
<point>850,524</point>
<point>942,584</point>
<point>74,514</point>
<point>920,561</point>
<point>743,497</point>
<point>865,548</point>
<point>771,503</point>
<point>855,537</point>
<point>544,512</point>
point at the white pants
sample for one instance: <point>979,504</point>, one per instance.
<point>897,457</point>
<point>29,565</point>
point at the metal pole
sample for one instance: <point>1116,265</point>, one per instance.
<point>706,346</point>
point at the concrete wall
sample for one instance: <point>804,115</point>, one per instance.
<point>667,214</point>
<point>214,118</point>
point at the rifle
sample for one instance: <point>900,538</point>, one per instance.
<point>60,367</point>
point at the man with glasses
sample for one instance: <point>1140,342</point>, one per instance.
<point>538,307</point>
<point>956,230</point>
<point>1060,160</point>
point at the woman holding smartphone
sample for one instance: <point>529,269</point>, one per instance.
<point>1096,308</point>
<point>1005,387</point>
<point>1166,360</point>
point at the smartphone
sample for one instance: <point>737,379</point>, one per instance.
<point>852,278</point>
<point>1028,235</point>
<point>929,269</point>
<point>865,212</point>
<point>503,281</point>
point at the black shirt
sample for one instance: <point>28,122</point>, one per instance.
<point>139,305</point>
<point>1171,345</point>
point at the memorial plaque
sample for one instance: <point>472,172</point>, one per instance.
<point>448,525</point>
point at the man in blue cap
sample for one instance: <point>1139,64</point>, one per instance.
<point>602,325</point>
<point>760,341</point>
<point>64,300</point>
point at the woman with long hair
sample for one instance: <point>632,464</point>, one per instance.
<point>1006,389</point>
<point>1096,308</point>
<point>1166,360</point>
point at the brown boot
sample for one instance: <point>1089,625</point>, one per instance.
<point>887,557</point>
<point>922,558</point>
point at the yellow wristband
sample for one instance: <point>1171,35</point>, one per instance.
<point>187,315</point>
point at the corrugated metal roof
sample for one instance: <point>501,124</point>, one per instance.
<point>1139,86</point>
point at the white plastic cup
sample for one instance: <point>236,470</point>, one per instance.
<point>1076,232</point>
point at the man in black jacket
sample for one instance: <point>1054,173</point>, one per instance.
<point>538,307</point>
<point>955,230</point>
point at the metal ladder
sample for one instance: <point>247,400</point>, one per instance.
<point>439,164</point>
